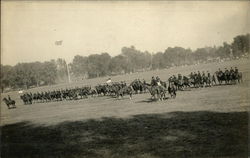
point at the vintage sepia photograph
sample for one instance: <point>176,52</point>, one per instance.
<point>125,79</point>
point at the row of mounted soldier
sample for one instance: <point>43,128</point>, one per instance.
<point>157,88</point>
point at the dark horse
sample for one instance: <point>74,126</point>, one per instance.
<point>125,90</point>
<point>10,103</point>
<point>172,90</point>
<point>138,86</point>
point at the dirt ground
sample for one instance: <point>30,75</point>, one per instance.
<point>202,122</point>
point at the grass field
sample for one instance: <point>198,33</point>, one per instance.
<point>204,122</point>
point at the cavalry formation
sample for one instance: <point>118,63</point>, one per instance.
<point>158,89</point>
<point>203,79</point>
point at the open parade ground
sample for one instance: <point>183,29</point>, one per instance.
<point>199,122</point>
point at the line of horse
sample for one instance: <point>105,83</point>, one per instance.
<point>114,89</point>
<point>120,89</point>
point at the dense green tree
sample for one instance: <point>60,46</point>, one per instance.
<point>240,45</point>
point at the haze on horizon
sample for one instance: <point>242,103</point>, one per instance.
<point>29,29</point>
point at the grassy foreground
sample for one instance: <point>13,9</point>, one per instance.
<point>176,134</point>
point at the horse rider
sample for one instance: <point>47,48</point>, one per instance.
<point>220,72</point>
<point>170,79</point>
<point>232,75</point>
<point>9,98</point>
<point>227,75</point>
<point>203,78</point>
<point>158,81</point>
<point>231,70</point>
<point>153,81</point>
<point>191,75</point>
<point>203,74</point>
<point>199,79</point>
<point>236,70</point>
<point>208,74</point>
<point>209,77</point>
<point>180,78</point>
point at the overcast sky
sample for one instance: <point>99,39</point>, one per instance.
<point>30,29</point>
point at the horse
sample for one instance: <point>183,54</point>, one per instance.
<point>27,99</point>
<point>138,86</point>
<point>183,83</point>
<point>157,92</point>
<point>239,77</point>
<point>10,103</point>
<point>125,90</point>
<point>206,81</point>
<point>172,90</point>
<point>220,77</point>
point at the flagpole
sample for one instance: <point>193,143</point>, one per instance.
<point>59,43</point>
<point>151,61</point>
<point>69,80</point>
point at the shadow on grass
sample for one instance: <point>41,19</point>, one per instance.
<point>177,134</point>
<point>150,100</point>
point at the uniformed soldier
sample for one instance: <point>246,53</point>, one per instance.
<point>199,79</point>
<point>209,78</point>
<point>158,80</point>
<point>232,74</point>
<point>191,75</point>
<point>236,70</point>
<point>9,98</point>
<point>203,78</point>
<point>231,70</point>
<point>227,75</point>
<point>153,81</point>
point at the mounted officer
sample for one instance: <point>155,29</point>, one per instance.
<point>236,70</point>
<point>9,98</point>
<point>227,75</point>
<point>199,79</point>
<point>158,81</point>
<point>153,81</point>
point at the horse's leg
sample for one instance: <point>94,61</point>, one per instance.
<point>158,96</point>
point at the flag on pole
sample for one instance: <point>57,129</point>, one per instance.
<point>58,43</point>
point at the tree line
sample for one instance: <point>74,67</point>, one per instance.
<point>26,75</point>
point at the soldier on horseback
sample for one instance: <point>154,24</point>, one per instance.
<point>236,70</point>
<point>199,79</point>
<point>153,81</point>
<point>158,81</point>
<point>209,78</point>
<point>9,102</point>
<point>227,75</point>
<point>203,79</point>
<point>232,75</point>
<point>9,98</point>
<point>219,75</point>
